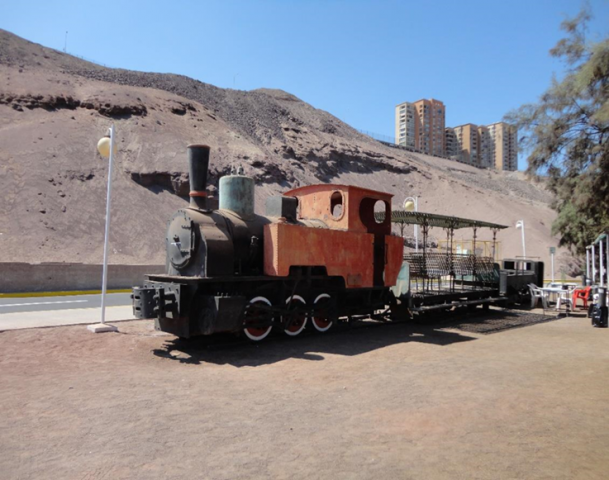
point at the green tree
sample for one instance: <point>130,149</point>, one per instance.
<point>566,136</point>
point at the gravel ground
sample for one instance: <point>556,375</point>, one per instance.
<point>395,401</point>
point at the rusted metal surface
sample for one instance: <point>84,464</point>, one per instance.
<point>343,207</point>
<point>355,247</point>
<point>395,253</point>
<point>345,254</point>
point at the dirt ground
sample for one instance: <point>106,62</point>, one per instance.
<point>390,402</point>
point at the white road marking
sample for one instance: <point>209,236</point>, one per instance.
<point>42,303</point>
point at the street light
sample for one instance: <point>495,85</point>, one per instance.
<point>520,224</point>
<point>107,149</point>
<point>411,204</point>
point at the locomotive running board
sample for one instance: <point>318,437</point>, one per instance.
<point>459,304</point>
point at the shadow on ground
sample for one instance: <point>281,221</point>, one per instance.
<point>346,340</point>
<point>496,320</point>
<point>220,349</point>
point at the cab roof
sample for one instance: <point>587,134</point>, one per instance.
<point>330,187</point>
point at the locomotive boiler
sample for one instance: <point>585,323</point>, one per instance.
<point>317,255</point>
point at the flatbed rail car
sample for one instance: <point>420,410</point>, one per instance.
<point>432,280</point>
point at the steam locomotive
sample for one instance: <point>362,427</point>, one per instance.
<point>318,254</point>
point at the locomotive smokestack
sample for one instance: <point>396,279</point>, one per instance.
<point>198,162</point>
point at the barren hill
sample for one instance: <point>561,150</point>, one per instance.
<point>54,107</point>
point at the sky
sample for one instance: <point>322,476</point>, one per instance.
<point>356,59</point>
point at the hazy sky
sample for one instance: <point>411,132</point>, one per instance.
<point>356,59</point>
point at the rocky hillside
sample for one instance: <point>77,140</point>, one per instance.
<point>54,108</point>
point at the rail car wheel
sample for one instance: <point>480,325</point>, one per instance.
<point>321,317</point>
<point>298,321</point>
<point>256,314</point>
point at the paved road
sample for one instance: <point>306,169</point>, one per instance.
<point>38,304</point>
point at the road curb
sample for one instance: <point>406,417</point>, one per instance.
<point>61,294</point>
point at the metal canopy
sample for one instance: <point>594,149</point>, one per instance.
<point>434,220</point>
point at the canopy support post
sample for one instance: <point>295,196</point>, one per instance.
<point>474,253</point>
<point>425,228</point>
<point>494,230</point>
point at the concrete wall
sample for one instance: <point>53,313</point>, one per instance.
<point>52,277</point>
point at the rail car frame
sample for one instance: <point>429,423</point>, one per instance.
<point>446,280</point>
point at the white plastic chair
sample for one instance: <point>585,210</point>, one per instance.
<point>565,299</point>
<point>536,294</point>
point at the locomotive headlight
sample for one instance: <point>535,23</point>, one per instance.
<point>103,146</point>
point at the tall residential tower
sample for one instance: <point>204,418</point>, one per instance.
<point>420,125</point>
<point>467,139</point>
<point>504,146</point>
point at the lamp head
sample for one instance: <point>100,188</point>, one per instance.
<point>103,146</point>
<point>409,205</point>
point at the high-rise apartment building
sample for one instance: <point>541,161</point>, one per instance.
<point>504,146</point>
<point>467,139</point>
<point>485,159</point>
<point>406,125</point>
<point>420,125</point>
<point>452,149</point>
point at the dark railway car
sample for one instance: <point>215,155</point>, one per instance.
<point>441,282</point>
<point>516,275</point>
<point>446,280</point>
<point>318,254</point>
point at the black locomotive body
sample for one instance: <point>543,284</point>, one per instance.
<point>517,274</point>
<point>215,261</point>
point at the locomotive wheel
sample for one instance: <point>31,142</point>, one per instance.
<point>253,317</point>
<point>298,320</point>
<point>321,318</point>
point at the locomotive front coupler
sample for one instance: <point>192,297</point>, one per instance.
<point>156,300</point>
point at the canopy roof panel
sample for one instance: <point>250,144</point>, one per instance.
<point>435,220</point>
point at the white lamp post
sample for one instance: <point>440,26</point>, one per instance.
<point>520,224</point>
<point>607,259</point>
<point>593,265</point>
<point>588,266</point>
<point>107,149</point>
<point>411,204</point>
<point>600,264</point>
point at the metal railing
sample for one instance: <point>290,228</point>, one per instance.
<point>448,271</point>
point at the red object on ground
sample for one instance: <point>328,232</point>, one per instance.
<point>583,294</point>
